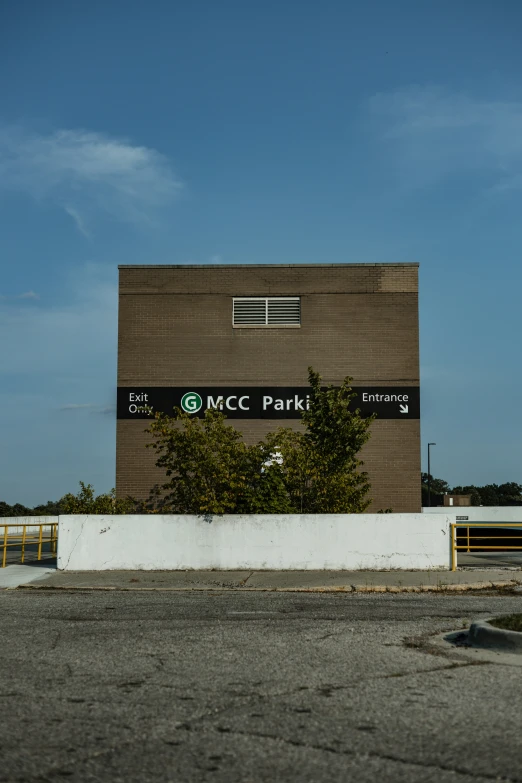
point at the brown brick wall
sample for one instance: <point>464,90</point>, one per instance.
<point>175,329</point>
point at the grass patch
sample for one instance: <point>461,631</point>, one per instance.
<point>510,622</point>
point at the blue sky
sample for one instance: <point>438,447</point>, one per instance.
<point>255,132</point>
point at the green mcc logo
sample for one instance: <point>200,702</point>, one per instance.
<point>191,402</point>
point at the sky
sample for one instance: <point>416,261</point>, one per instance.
<point>255,132</point>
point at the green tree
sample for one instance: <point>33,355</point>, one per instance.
<point>51,508</point>
<point>17,510</point>
<point>438,488</point>
<point>510,494</point>
<point>210,470</point>
<point>86,502</point>
<point>321,466</point>
<point>267,491</point>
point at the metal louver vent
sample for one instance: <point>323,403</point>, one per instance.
<point>284,311</point>
<point>250,311</point>
<point>267,311</point>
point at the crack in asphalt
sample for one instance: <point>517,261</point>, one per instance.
<point>369,754</point>
<point>55,643</point>
<point>243,582</point>
<point>324,689</point>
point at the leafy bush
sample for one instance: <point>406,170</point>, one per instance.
<point>210,469</point>
<point>86,502</point>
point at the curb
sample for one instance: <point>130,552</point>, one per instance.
<point>442,588</point>
<point>483,634</point>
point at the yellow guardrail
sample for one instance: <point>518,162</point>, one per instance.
<point>469,539</point>
<point>22,536</point>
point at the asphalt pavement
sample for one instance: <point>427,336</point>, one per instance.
<point>230,686</point>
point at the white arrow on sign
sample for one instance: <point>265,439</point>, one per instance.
<point>403,408</point>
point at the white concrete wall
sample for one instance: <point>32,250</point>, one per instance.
<point>480,513</point>
<point>322,541</point>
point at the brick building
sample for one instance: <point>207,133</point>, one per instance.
<point>248,334</point>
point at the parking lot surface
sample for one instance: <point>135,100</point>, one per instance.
<point>229,686</point>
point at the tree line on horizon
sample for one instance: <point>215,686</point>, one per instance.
<point>507,494</point>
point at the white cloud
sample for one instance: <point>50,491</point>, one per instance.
<point>74,406</point>
<point>87,173</point>
<point>25,295</point>
<point>78,220</point>
<point>90,406</point>
<point>434,133</point>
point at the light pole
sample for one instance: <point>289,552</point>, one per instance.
<point>429,474</point>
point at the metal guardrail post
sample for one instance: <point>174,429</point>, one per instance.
<point>39,556</point>
<point>5,547</point>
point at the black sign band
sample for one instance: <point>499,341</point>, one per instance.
<point>265,402</point>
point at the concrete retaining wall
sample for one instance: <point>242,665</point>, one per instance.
<point>271,542</point>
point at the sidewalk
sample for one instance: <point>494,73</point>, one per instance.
<point>305,581</point>
<point>16,575</point>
